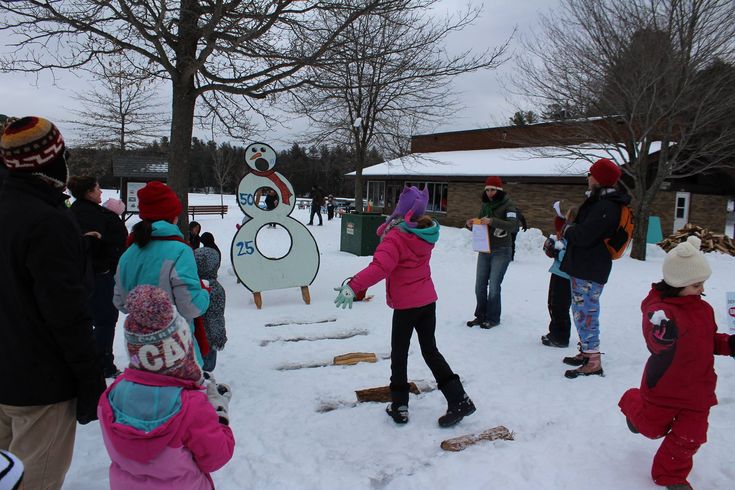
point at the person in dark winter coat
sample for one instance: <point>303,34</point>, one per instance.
<point>194,229</point>
<point>271,202</point>
<point>317,201</point>
<point>559,298</point>
<point>588,261</point>
<point>105,234</point>
<point>51,378</point>
<point>330,207</point>
<point>402,259</point>
<point>208,262</point>
<point>499,213</point>
<point>678,386</point>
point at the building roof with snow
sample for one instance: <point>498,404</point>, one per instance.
<point>504,162</point>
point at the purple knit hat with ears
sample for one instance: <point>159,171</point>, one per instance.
<point>412,202</point>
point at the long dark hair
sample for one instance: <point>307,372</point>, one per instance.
<point>79,185</point>
<point>142,233</point>
<point>207,240</point>
<point>665,290</point>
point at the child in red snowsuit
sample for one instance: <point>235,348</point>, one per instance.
<point>678,385</point>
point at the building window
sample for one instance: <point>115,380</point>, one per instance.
<point>376,193</point>
<point>681,203</point>
<point>437,195</point>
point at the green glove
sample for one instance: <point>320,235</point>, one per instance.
<point>345,297</point>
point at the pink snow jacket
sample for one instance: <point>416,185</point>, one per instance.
<point>402,259</point>
<point>176,454</point>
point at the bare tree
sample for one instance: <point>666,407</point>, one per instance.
<point>646,71</point>
<point>225,54</point>
<point>390,74</point>
<point>122,111</point>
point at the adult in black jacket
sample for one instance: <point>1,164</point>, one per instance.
<point>105,234</point>
<point>317,201</point>
<point>50,375</point>
<point>588,262</point>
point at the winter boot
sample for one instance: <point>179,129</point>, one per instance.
<point>398,409</point>
<point>679,486</point>
<point>577,360</point>
<point>474,322</point>
<point>548,340</point>
<point>459,404</point>
<point>591,364</point>
<point>631,426</point>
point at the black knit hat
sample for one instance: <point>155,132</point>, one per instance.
<point>33,145</point>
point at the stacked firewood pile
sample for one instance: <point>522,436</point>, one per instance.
<point>711,242</point>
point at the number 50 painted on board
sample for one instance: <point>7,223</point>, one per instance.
<point>247,199</point>
<point>247,246</point>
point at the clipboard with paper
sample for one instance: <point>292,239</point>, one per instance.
<point>480,237</point>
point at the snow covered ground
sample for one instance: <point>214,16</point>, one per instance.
<point>569,434</point>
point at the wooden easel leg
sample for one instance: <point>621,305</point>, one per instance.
<point>258,300</point>
<point>305,294</point>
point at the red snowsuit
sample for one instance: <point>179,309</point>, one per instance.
<point>678,385</point>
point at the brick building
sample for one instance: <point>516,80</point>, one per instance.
<point>454,166</point>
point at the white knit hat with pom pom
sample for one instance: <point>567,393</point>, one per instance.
<point>685,264</point>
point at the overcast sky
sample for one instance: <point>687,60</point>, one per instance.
<point>486,102</point>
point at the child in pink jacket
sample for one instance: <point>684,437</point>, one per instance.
<point>162,427</point>
<point>402,259</point>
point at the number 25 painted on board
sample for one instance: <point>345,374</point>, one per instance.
<point>248,248</point>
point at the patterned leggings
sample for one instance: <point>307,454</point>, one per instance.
<point>586,312</point>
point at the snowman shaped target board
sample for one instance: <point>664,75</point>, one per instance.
<point>299,266</point>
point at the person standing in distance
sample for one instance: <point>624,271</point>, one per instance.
<point>51,378</point>
<point>499,214</point>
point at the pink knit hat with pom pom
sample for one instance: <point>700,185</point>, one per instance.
<point>159,339</point>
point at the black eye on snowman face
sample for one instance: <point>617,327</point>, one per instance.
<point>255,150</point>
<point>262,150</point>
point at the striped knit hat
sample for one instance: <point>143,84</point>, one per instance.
<point>33,145</point>
<point>159,339</point>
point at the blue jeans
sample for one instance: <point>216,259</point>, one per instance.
<point>490,272</point>
<point>586,312</point>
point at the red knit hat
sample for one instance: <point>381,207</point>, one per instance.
<point>33,145</point>
<point>159,340</point>
<point>494,182</point>
<point>606,172</point>
<point>156,201</point>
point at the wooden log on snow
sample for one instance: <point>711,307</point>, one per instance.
<point>462,442</point>
<point>382,393</point>
<point>354,357</point>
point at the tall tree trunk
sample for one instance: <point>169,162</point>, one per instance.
<point>358,188</point>
<point>182,125</point>
<point>640,233</point>
<point>182,107</point>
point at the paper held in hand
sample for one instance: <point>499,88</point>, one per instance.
<point>480,237</point>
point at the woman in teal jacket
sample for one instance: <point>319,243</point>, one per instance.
<point>160,256</point>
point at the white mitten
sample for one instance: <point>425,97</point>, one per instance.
<point>219,396</point>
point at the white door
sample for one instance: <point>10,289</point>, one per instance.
<point>681,211</point>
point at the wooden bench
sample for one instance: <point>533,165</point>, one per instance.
<point>207,209</point>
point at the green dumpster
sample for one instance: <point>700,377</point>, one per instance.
<point>358,233</point>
